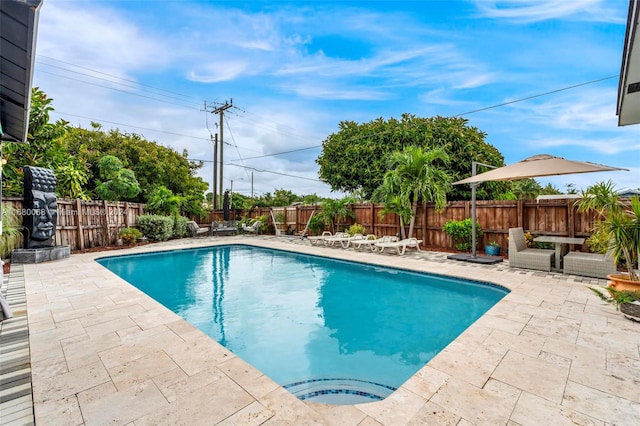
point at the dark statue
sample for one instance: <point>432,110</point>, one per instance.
<point>40,207</point>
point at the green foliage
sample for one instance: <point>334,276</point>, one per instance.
<point>355,158</point>
<point>336,211</point>
<point>163,202</point>
<point>180,228</point>
<point>616,297</point>
<point>11,237</point>
<point>356,228</point>
<point>526,189</point>
<point>461,233</point>
<point>119,183</point>
<point>42,150</point>
<point>415,174</point>
<point>316,225</point>
<point>156,227</point>
<point>129,236</point>
<point>493,244</point>
<point>599,240</point>
<point>71,180</point>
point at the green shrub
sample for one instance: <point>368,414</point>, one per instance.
<point>598,242</point>
<point>155,227</point>
<point>461,233</point>
<point>129,236</point>
<point>316,225</point>
<point>180,229</point>
<point>11,237</point>
<point>356,229</point>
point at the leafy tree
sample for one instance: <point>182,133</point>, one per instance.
<point>118,183</point>
<point>42,150</point>
<point>415,175</point>
<point>526,189</point>
<point>72,178</point>
<point>355,158</point>
<point>162,201</point>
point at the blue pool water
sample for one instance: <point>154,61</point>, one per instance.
<point>329,331</point>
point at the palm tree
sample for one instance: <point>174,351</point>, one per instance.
<point>336,210</point>
<point>414,174</point>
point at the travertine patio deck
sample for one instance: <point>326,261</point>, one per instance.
<point>102,352</point>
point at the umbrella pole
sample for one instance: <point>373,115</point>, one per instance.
<point>473,214</point>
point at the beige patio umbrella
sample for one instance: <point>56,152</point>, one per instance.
<point>536,166</point>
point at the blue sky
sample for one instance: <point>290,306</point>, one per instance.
<point>296,69</point>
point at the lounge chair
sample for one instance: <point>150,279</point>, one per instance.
<point>253,228</point>
<point>338,237</point>
<point>520,256</point>
<point>226,228</point>
<point>314,240</point>
<point>195,229</point>
<point>351,240</point>
<point>370,241</point>
<point>590,264</point>
<point>400,246</point>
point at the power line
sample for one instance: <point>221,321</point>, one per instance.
<point>272,172</point>
<point>538,95</point>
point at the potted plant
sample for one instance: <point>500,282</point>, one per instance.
<point>623,226</point>
<point>461,233</point>
<point>619,222</point>
<point>492,248</point>
<point>627,302</point>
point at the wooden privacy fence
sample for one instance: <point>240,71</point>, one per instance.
<point>86,224</point>
<point>546,217</point>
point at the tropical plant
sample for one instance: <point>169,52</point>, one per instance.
<point>416,175</point>
<point>12,236</point>
<point>156,227</point>
<point>461,232</point>
<point>316,225</point>
<point>163,201</point>
<point>336,211</point>
<point>616,297</point>
<point>393,204</point>
<point>117,183</point>
<point>356,228</point>
<point>129,236</point>
<point>71,180</point>
<point>493,244</point>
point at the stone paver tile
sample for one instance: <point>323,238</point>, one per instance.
<point>600,405</point>
<point>206,406</point>
<point>475,368</point>
<point>253,414</point>
<point>613,340</point>
<point>68,384</point>
<point>153,318</point>
<point>80,353</point>
<point>432,414</point>
<point>554,359</point>
<point>199,354</point>
<point>138,345</point>
<point>491,405</point>
<point>580,354</point>
<point>426,381</point>
<point>561,328</point>
<point>619,383</point>
<point>65,411</point>
<point>175,382</point>
<point>368,421</point>
<point>289,410</point>
<point>250,378</point>
<point>49,367</point>
<point>111,314</point>
<point>141,369</point>
<point>339,415</point>
<point>132,404</point>
<point>525,343</point>
<point>531,410</point>
<point>622,365</point>
<point>533,375</point>
<point>109,326</point>
<point>398,408</point>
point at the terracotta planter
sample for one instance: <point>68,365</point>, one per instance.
<point>622,282</point>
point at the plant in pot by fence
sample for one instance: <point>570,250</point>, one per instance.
<point>492,248</point>
<point>627,302</point>
<point>461,233</point>
<point>619,222</point>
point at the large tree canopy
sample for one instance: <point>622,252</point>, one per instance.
<point>355,158</point>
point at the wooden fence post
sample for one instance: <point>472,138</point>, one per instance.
<point>80,234</point>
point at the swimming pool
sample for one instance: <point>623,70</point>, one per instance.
<point>328,331</point>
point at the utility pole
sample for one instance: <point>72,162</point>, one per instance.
<point>214,190</point>
<point>220,110</point>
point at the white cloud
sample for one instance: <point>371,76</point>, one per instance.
<point>526,11</point>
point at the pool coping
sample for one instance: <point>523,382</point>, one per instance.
<point>547,352</point>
